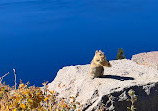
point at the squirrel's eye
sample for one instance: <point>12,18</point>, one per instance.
<point>100,54</point>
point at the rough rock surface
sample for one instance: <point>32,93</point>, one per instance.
<point>147,58</point>
<point>112,88</point>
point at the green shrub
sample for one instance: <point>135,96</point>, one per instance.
<point>120,54</point>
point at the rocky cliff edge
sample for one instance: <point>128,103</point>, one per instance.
<point>112,88</point>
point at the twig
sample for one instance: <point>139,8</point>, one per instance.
<point>15,77</point>
<point>1,78</point>
<point>26,85</point>
<point>45,87</point>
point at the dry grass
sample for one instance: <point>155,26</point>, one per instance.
<point>32,98</point>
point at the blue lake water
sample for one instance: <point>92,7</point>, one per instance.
<point>38,37</point>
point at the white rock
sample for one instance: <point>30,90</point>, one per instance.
<point>112,88</point>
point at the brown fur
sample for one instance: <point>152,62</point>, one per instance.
<point>96,67</point>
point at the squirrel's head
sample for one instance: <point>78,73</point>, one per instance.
<point>100,55</point>
<point>100,59</point>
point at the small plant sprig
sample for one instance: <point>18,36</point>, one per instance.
<point>133,99</point>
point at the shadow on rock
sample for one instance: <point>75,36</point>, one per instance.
<point>121,78</point>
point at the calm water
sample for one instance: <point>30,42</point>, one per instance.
<point>38,37</point>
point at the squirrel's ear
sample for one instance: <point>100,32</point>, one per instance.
<point>96,51</point>
<point>100,51</point>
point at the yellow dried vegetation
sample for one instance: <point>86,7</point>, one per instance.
<point>34,99</point>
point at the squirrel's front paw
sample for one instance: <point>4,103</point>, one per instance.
<point>92,77</point>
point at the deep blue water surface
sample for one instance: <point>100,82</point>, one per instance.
<point>38,37</point>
